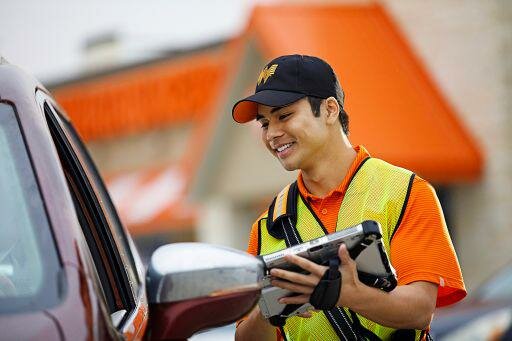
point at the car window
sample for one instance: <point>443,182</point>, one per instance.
<point>29,265</point>
<point>113,273</point>
<point>126,250</point>
<point>105,279</point>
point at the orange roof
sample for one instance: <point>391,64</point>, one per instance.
<point>395,109</point>
<point>146,97</point>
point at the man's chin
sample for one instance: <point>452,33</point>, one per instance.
<point>288,166</point>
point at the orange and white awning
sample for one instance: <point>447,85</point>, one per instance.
<point>395,108</point>
<point>152,200</point>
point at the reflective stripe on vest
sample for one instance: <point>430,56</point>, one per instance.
<point>378,191</point>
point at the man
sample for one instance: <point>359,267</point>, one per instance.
<point>299,103</point>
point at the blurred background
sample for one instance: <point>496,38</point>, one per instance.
<point>150,86</point>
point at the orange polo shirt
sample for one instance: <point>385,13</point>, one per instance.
<point>421,248</point>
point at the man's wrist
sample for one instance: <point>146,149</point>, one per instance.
<point>258,316</point>
<point>255,327</point>
<point>353,295</point>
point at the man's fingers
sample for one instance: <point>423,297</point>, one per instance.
<point>298,288</point>
<point>294,277</point>
<point>307,265</point>
<point>306,314</point>
<point>299,299</point>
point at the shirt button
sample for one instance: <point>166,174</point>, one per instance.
<point>324,211</point>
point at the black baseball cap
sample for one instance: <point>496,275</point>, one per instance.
<point>284,80</point>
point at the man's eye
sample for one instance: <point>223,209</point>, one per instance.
<point>284,116</point>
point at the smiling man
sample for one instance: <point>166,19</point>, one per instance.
<point>299,103</point>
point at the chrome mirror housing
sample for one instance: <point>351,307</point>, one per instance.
<point>192,286</point>
<point>190,270</point>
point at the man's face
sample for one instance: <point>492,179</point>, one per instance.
<point>293,134</point>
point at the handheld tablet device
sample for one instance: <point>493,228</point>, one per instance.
<point>364,243</point>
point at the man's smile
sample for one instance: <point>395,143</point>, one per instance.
<point>284,149</point>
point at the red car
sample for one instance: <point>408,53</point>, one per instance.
<point>68,268</point>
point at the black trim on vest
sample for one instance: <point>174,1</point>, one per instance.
<point>283,334</point>
<point>404,206</point>
<point>334,325</point>
<point>291,234</point>
<point>314,214</point>
<point>276,233</point>
<point>291,202</point>
<point>403,335</point>
<point>341,324</point>
<point>357,170</point>
<point>259,236</point>
<point>368,334</point>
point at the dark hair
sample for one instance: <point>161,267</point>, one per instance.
<point>315,103</point>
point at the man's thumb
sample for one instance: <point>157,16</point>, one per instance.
<point>343,254</point>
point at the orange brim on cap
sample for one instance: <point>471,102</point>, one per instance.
<point>246,109</point>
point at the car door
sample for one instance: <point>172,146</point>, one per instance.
<point>118,271</point>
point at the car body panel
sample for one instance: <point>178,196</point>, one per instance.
<point>42,327</point>
<point>79,314</point>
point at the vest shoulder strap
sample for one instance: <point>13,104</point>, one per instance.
<point>283,211</point>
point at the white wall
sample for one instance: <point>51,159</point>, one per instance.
<point>466,46</point>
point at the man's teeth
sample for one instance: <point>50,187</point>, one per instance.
<point>283,147</point>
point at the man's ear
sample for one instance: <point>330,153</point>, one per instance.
<point>333,110</point>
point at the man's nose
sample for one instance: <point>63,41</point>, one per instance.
<point>273,131</point>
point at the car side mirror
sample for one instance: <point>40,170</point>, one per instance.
<point>194,286</point>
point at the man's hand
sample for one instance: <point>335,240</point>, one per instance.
<point>304,284</point>
<point>406,307</point>
<point>256,327</point>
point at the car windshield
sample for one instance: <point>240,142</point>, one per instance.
<point>28,260</point>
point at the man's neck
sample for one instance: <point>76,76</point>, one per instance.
<point>330,172</point>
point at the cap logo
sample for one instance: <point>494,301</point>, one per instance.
<point>266,73</point>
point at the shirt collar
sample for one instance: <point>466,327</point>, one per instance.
<point>361,155</point>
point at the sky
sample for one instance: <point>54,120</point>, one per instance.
<point>47,38</point>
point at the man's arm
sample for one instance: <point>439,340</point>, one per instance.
<point>406,307</point>
<point>255,327</point>
<point>421,248</point>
